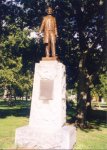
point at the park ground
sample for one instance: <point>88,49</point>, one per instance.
<point>12,117</point>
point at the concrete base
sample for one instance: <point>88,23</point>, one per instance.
<point>29,138</point>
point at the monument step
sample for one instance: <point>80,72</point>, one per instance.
<point>29,138</point>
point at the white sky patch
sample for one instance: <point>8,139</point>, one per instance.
<point>3,23</point>
<point>99,47</point>
<point>13,2</point>
<point>101,2</point>
<point>82,9</point>
<point>76,35</point>
<point>90,45</point>
<point>33,34</point>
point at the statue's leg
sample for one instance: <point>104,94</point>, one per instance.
<point>47,50</point>
<point>53,44</point>
<point>53,49</point>
<point>47,44</point>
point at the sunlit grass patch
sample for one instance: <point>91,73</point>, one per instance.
<point>92,139</point>
<point>8,126</point>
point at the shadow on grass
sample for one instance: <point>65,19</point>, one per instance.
<point>97,118</point>
<point>14,103</point>
<point>94,125</point>
<point>14,108</point>
<point>22,112</point>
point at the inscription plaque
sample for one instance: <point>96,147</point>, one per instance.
<point>46,89</point>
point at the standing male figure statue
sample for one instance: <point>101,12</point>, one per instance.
<point>49,28</point>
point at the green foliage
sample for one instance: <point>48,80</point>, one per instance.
<point>11,67</point>
<point>100,89</point>
<point>103,80</point>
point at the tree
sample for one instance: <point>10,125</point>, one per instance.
<point>14,42</point>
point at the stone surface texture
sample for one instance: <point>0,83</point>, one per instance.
<point>49,114</point>
<point>47,129</point>
<point>29,138</point>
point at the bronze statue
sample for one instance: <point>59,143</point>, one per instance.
<point>49,28</point>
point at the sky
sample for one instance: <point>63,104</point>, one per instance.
<point>14,2</point>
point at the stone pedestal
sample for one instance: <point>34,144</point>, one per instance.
<point>46,129</point>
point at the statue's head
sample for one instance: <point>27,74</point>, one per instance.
<point>49,11</point>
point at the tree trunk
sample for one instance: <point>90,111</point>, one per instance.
<point>88,104</point>
<point>83,96</point>
<point>82,79</point>
<point>81,99</point>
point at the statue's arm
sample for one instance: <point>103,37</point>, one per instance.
<point>56,30</point>
<point>42,26</point>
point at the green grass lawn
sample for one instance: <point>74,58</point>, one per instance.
<point>17,116</point>
<point>8,126</point>
<point>12,117</point>
<point>92,139</point>
<point>86,139</point>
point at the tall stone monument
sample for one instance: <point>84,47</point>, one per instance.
<point>47,127</point>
